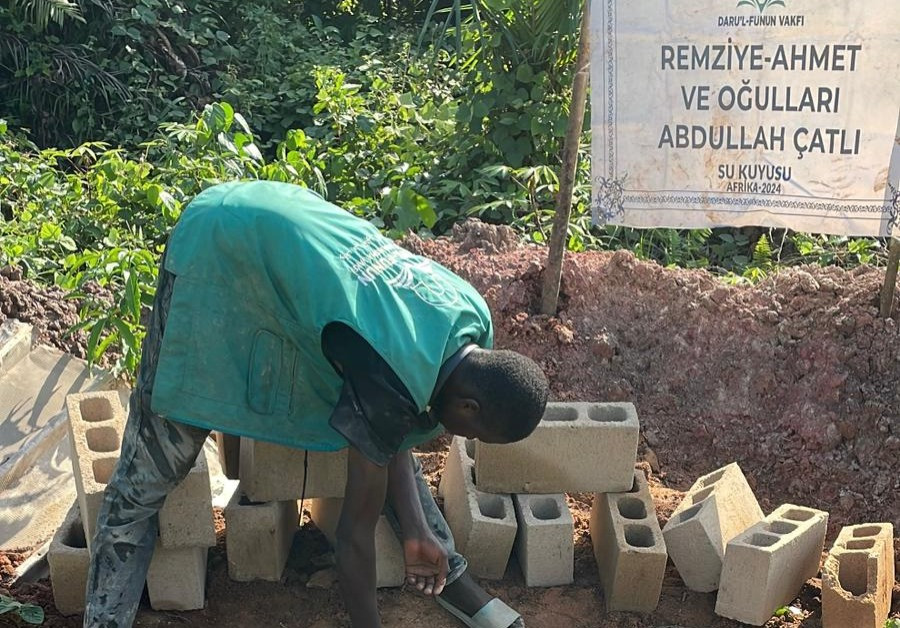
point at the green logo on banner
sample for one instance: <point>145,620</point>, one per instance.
<point>762,5</point>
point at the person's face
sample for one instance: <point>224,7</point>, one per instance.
<point>462,417</point>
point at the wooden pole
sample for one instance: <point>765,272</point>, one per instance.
<point>890,279</point>
<point>553,272</point>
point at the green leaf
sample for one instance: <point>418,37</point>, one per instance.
<point>94,340</point>
<point>252,151</point>
<point>7,604</point>
<point>242,124</point>
<point>524,73</point>
<point>133,296</point>
<point>3,126</point>
<point>414,209</point>
<point>32,614</point>
<point>125,333</point>
<point>218,117</point>
<point>153,192</point>
<point>50,231</point>
<point>226,143</point>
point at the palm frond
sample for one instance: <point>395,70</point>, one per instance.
<point>42,12</point>
<point>72,63</point>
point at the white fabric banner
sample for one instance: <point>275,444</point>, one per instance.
<point>780,113</point>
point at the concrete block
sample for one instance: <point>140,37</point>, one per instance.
<point>483,524</point>
<point>577,447</point>
<point>96,424</point>
<point>186,518</point>
<point>69,560</point>
<point>15,342</point>
<point>390,567</point>
<point>858,577</point>
<point>629,548</point>
<point>272,472</point>
<point>258,537</point>
<point>767,564</point>
<point>545,542</point>
<point>718,507</point>
<point>176,580</point>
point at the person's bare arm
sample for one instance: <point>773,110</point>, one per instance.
<point>425,557</point>
<point>355,546</point>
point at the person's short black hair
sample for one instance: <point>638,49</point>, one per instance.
<point>511,390</point>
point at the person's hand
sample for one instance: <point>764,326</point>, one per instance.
<point>426,564</point>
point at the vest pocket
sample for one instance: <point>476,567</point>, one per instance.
<point>270,378</point>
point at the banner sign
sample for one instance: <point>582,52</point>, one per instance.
<point>779,113</point>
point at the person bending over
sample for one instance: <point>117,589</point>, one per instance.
<point>283,318</point>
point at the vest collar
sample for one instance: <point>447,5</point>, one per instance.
<point>448,367</point>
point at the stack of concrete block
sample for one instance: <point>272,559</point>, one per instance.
<point>858,577</point>
<point>766,565</point>
<point>263,516</point>
<point>390,568</point>
<point>718,507</point>
<point>258,537</point>
<point>176,579</point>
<point>270,472</point>
<point>577,447</point>
<point>629,547</point>
<point>483,524</point>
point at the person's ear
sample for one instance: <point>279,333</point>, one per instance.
<point>469,407</point>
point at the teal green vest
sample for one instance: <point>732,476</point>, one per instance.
<point>261,268</point>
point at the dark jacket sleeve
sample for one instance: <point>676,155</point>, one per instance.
<point>375,411</point>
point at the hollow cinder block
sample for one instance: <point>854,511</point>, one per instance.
<point>69,561</point>
<point>390,566</point>
<point>272,472</point>
<point>258,537</point>
<point>186,518</point>
<point>767,564</point>
<point>577,447</point>
<point>176,579</point>
<point>545,540</point>
<point>483,524</point>
<point>96,424</point>
<point>629,548</point>
<point>718,507</point>
<point>858,577</point>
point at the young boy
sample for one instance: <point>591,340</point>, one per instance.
<point>281,317</point>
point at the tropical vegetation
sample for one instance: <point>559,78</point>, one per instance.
<point>414,114</point>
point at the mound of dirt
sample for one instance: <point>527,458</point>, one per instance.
<point>795,378</point>
<point>50,310</point>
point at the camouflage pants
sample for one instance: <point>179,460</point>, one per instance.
<point>156,455</point>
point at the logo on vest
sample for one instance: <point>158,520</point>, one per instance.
<point>377,258</point>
